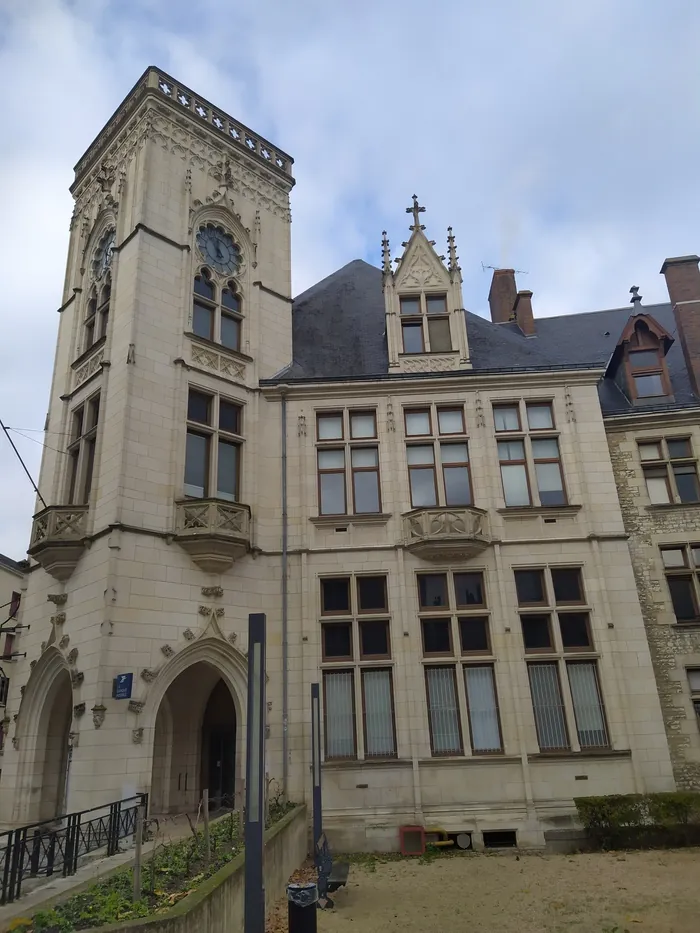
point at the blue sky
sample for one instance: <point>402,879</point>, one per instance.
<point>563,139</point>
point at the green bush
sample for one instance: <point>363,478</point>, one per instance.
<point>646,820</point>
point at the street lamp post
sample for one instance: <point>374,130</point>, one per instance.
<point>255,778</point>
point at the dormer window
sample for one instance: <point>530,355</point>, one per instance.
<point>425,324</point>
<point>638,364</point>
<point>647,373</point>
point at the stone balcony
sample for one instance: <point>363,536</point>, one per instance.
<point>58,538</point>
<point>214,533</point>
<point>446,533</point>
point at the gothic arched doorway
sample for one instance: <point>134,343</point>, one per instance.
<point>52,761</point>
<point>194,741</point>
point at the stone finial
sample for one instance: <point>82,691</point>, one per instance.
<point>636,297</point>
<point>168,650</point>
<point>77,677</point>
<point>58,619</point>
<point>98,714</point>
<point>189,634</point>
<point>453,265</point>
<point>416,209</point>
<point>72,656</point>
<point>64,642</point>
<point>386,254</point>
<point>149,674</point>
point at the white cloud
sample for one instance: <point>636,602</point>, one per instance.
<point>560,138</point>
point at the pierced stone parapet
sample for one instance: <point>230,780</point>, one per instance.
<point>213,532</point>
<point>446,533</point>
<point>58,540</point>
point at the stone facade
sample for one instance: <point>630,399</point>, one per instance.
<point>145,575</point>
<point>674,646</point>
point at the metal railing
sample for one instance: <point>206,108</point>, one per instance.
<point>52,846</point>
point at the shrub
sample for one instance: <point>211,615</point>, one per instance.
<point>641,820</point>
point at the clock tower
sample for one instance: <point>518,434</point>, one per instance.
<point>177,301</point>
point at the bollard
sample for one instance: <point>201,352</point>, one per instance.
<point>301,907</point>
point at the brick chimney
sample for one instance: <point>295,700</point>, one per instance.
<point>523,313</point>
<point>683,283</point>
<point>502,295</point>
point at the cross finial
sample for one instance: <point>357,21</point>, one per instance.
<point>415,210</point>
<point>386,254</point>
<point>636,297</point>
<point>453,265</point>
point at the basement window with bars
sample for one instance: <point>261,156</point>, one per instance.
<point>357,668</point>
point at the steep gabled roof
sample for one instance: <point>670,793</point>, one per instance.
<point>338,330</point>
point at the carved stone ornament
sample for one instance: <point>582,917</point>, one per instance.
<point>79,709</point>
<point>168,651</point>
<point>204,610</point>
<point>58,599</point>
<point>136,706</point>
<point>15,743</point>
<point>98,714</point>
<point>73,739</point>
<point>149,674</point>
<point>32,665</point>
<point>64,642</point>
<point>233,637</point>
<point>212,591</point>
<point>189,634</point>
<point>76,678</point>
<point>43,646</point>
<point>219,612</point>
<point>72,655</point>
<point>22,689</point>
<point>137,735</point>
<point>58,619</point>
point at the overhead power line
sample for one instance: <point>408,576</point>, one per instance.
<point>24,466</point>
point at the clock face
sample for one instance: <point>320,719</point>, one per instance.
<point>218,249</point>
<point>103,253</point>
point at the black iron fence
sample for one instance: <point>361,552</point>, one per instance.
<point>53,846</point>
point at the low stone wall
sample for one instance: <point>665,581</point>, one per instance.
<point>217,904</point>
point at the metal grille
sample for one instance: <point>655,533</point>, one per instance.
<point>588,704</point>
<point>548,707</point>
<point>56,845</point>
<point>443,712</point>
<point>483,709</point>
<point>379,719</point>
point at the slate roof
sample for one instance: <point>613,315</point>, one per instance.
<point>13,565</point>
<point>338,332</point>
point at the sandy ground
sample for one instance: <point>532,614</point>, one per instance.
<point>639,892</point>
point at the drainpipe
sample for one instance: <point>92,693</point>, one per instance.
<point>285,600</point>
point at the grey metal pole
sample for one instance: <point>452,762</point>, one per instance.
<point>254,902</point>
<point>317,802</point>
<point>140,815</point>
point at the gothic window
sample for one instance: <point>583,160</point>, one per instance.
<point>97,315</point>
<point>81,451</point>
<point>425,323</point>
<point>213,446</point>
<point>216,312</point>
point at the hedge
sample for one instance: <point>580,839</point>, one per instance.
<point>641,820</point>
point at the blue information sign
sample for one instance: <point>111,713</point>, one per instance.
<point>121,686</point>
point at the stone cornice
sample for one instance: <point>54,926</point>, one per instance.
<point>656,420</point>
<point>419,384</point>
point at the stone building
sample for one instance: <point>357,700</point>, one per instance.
<point>651,400</point>
<point>421,500</point>
<point>11,585</point>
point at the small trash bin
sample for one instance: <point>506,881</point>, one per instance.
<point>301,907</point>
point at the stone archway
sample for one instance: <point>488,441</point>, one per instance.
<point>43,739</point>
<point>194,740</point>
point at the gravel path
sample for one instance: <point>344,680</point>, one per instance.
<point>643,892</point>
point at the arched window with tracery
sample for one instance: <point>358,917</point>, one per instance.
<point>216,312</point>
